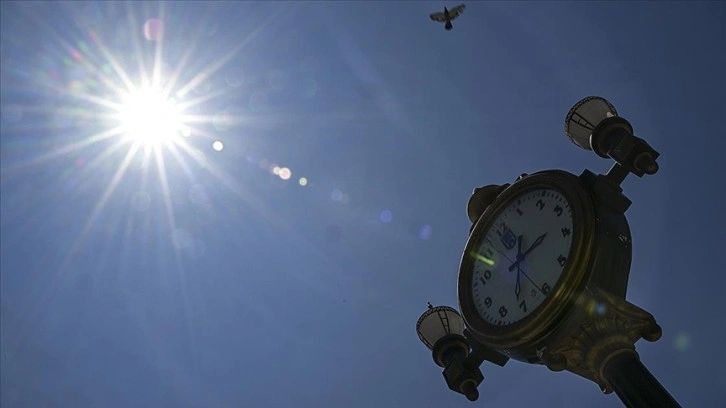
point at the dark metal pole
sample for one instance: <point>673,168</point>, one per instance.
<point>635,385</point>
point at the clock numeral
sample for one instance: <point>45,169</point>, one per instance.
<point>488,302</point>
<point>519,211</point>
<point>487,275</point>
<point>506,236</point>
<point>546,288</point>
<point>566,232</point>
<point>558,210</point>
<point>540,205</point>
<point>490,253</point>
<point>502,311</point>
<point>523,306</point>
<point>561,260</point>
<point>502,229</point>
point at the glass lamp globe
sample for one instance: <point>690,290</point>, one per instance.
<point>584,117</point>
<point>437,323</point>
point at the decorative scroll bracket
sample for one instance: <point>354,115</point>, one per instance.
<point>610,326</point>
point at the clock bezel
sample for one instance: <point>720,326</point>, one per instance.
<point>543,319</point>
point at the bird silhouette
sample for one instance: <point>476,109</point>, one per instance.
<point>448,15</point>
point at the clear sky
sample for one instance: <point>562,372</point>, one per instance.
<point>192,274</point>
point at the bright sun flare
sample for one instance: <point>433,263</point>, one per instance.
<point>148,116</point>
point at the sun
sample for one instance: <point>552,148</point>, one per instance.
<point>150,117</point>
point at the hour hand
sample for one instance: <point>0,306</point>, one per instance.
<point>519,245</point>
<point>520,256</point>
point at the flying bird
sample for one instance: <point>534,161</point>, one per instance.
<point>448,15</point>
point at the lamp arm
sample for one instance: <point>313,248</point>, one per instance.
<point>480,353</point>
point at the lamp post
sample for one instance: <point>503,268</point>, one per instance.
<point>578,319</point>
<point>441,329</point>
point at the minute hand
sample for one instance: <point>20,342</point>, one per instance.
<point>534,245</point>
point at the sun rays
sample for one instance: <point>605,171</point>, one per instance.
<point>139,106</point>
<point>118,103</point>
<point>136,101</point>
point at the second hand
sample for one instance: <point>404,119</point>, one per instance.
<point>502,253</point>
<point>530,279</point>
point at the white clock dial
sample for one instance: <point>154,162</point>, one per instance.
<point>522,255</point>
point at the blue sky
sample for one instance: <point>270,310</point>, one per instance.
<point>194,277</point>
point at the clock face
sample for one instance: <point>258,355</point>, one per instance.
<point>520,258</point>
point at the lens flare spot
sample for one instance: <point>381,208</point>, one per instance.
<point>199,158</point>
<point>83,46</point>
<point>386,216</point>
<point>76,87</point>
<point>339,196</point>
<point>600,309</point>
<point>276,170</point>
<point>76,55</point>
<point>482,258</point>
<point>181,239</point>
<point>594,308</point>
<point>234,79</point>
<point>218,145</point>
<point>303,181</point>
<point>153,29</point>
<point>682,341</point>
<point>425,232</point>
<point>222,121</point>
<point>285,173</point>
<point>202,88</point>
